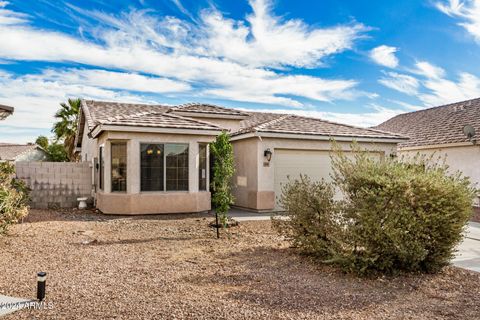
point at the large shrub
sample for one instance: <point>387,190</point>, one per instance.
<point>13,197</point>
<point>394,216</point>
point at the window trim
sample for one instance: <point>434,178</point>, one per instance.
<point>101,167</point>
<point>164,191</point>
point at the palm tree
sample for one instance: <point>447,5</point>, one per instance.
<point>65,128</point>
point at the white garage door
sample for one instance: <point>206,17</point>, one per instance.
<point>292,163</point>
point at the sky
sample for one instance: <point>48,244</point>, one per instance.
<point>354,62</point>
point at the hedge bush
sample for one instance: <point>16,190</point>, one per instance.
<point>13,197</point>
<point>395,215</point>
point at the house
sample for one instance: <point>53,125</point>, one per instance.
<point>21,152</point>
<point>442,131</point>
<point>5,111</point>
<point>155,159</point>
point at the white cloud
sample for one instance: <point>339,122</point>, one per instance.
<point>8,17</point>
<point>186,53</point>
<point>36,98</point>
<point>444,91</point>
<point>400,82</point>
<point>428,70</point>
<point>268,41</point>
<point>468,11</point>
<point>385,56</point>
<point>372,118</point>
<point>116,80</point>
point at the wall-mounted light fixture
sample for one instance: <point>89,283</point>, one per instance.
<point>268,154</point>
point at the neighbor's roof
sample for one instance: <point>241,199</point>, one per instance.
<point>160,116</point>
<point>10,152</point>
<point>5,111</point>
<point>438,125</point>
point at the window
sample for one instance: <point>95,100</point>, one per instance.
<point>202,167</point>
<point>176,160</point>
<point>152,167</point>
<point>164,167</point>
<point>100,168</point>
<point>119,166</point>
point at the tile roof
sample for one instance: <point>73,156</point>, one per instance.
<point>141,115</point>
<point>293,124</point>
<point>438,125</point>
<point>10,151</point>
<point>160,120</point>
<point>209,109</point>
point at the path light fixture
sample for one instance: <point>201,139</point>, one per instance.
<point>268,155</point>
<point>41,283</point>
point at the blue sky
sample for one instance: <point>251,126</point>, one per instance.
<point>356,62</point>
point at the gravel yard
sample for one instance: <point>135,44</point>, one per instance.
<point>172,267</point>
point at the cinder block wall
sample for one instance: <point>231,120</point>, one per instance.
<point>56,184</point>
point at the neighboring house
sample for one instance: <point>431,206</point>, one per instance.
<point>5,111</point>
<point>155,159</point>
<point>21,152</point>
<point>440,131</point>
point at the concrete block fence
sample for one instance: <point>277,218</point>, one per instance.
<point>56,184</point>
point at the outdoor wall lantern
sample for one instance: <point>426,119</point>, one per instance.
<point>268,154</point>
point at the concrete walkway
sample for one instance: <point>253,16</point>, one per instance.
<point>468,255</point>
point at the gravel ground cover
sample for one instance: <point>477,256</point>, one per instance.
<point>172,267</point>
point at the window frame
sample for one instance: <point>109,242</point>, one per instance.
<point>164,143</point>
<point>205,144</point>
<point>101,167</point>
<point>119,142</point>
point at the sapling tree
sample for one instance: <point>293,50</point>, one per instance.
<point>224,169</point>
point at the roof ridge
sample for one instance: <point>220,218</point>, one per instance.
<point>189,119</point>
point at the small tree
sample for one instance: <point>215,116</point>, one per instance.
<point>56,152</point>
<point>65,128</point>
<point>224,169</point>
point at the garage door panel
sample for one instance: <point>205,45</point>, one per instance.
<point>315,164</point>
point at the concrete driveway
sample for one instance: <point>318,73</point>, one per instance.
<point>468,255</point>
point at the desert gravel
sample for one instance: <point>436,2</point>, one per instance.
<point>172,267</point>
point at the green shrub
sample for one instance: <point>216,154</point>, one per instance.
<point>394,216</point>
<point>13,197</point>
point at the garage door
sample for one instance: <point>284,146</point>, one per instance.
<point>292,163</point>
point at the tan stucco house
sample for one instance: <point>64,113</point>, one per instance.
<point>149,159</point>
<point>5,111</point>
<point>441,131</point>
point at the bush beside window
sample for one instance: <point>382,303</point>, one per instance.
<point>13,197</point>
<point>395,215</point>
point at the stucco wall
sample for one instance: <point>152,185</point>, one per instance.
<point>459,158</point>
<point>134,201</point>
<point>55,184</point>
<point>259,194</point>
<point>231,124</point>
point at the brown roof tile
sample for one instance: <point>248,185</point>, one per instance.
<point>293,124</point>
<point>438,125</point>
